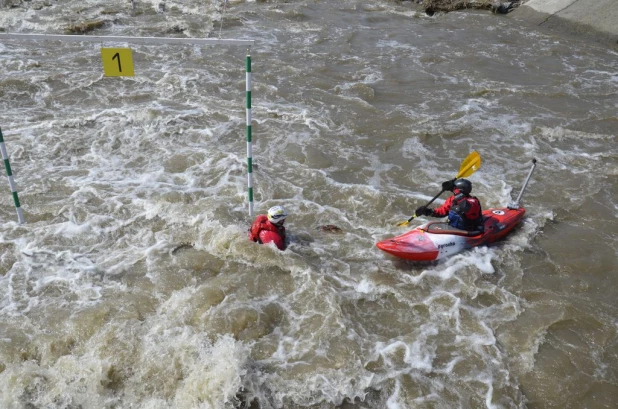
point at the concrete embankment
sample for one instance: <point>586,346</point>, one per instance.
<point>590,19</point>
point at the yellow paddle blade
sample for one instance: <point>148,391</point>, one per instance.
<point>470,165</point>
<point>405,223</point>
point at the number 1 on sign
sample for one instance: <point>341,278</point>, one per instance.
<point>117,55</point>
<point>117,62</point>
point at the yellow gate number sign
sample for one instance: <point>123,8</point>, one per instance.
<point>117,62</point>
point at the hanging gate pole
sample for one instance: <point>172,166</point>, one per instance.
<point>249,143</point>
<point>7,165</point>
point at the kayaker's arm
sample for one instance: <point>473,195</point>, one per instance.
<point>444,209</point>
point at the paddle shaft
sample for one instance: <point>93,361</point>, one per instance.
<point>435,197</point>
<point>428,203</point>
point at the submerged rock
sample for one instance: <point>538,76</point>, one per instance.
<point>181,247</point>
<point>330,228</point>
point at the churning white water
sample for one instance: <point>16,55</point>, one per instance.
<point>133,284</point>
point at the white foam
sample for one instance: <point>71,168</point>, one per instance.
<point>115,174</point>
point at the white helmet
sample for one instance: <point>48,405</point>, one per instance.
<point>277,214</point>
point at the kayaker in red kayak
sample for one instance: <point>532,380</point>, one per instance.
<point>269,227</point>
<point>463,210</point>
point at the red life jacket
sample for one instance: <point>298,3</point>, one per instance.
<point>464,211</point>
<point>262,223</point>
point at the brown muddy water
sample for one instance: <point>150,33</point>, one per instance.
<point>133,284</point>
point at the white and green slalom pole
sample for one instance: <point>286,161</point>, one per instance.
<point>7,165</point>
<point>249,145</point>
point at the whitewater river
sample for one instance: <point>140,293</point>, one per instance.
<point>133,284</point>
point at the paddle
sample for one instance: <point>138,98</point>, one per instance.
<point>471,164</point>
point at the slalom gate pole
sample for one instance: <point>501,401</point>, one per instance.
<point>249,144</point>
<point>7,165</point>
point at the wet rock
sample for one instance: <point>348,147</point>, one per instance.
<point>500,7</point>
<point>503,8</point>
<point>84,27</point>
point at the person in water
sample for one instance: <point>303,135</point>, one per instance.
<point>270,227</point>
<point>463,210</point>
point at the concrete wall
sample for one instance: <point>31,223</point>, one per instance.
<point>590,19</point>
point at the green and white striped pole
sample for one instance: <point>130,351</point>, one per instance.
<point>7,165</point>
<point>249,145</point>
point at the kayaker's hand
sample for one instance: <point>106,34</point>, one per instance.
<point>423,211</point>
<point>448,186</point>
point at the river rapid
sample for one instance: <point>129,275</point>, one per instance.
<point>133,284</point>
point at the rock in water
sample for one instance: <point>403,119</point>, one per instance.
<point>330,228</point>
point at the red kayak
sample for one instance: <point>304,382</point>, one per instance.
<point>436,240</point>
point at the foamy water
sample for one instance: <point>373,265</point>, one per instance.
<point>133,283</point>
